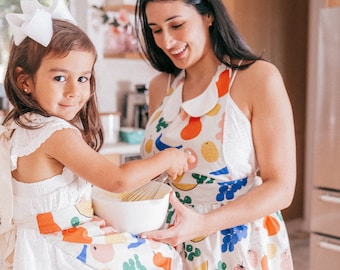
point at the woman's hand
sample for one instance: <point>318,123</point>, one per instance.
<point>188,225</point>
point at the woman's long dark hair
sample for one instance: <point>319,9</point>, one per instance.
<point>227,42</point>
<point>28,56</point>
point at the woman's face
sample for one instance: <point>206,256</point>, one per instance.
<point>180,31</point>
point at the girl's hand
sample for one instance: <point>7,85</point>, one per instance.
<point>188,225</point>
<point>178,162</point>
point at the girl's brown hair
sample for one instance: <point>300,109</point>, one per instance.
<point>28,56</point>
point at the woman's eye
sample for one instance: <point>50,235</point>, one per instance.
<point>177,26</point>
<point>82,79</point>
<point>60,78</point>
<point>156,31</point>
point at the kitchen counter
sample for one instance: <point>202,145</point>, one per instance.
<point>121,148</point>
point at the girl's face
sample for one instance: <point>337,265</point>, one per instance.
<point>61,86</point>
<point>180,31</point>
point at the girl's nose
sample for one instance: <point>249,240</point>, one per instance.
<point>71,91</point>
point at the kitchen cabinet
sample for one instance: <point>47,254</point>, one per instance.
<point>322,199</point>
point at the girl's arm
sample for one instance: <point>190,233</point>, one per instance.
<point>70,150</point>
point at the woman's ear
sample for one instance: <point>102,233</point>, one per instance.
<point>23,80</point>
<point>210,19</point>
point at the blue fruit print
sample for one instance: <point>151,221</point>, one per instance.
<point>232,236</point>
<point>139,241</point>
<point>82,256</point>
<point>228,189</point>
<point>220,171</point>
<point>161,146</point>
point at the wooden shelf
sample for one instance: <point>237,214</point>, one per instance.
<point>333,3</point>
<point>126,55</point>
<point>130,8</point>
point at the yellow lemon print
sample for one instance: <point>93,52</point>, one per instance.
<point>214,111</point>
<point>155,116</point>
<point>116,238</point>
<point>209,151</point>
<point>271,250</point>
<point>148,146</point>
<point>202,266</point>
<point>182,186</point>
<point>85,208</point>
<point>198,239</point>
<point>170,91</point>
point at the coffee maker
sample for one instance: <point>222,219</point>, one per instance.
<point>136,109</point>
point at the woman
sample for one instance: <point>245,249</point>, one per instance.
<point>50,161</point>
<point>230,109</point>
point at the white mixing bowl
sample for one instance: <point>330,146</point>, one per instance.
<point>134,217</point>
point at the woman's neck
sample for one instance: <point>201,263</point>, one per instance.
<point>198,77</point>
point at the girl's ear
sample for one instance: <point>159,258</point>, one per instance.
<point>23,80</point>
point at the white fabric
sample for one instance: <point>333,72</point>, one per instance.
<point>6,198</point>
<point>28,140</point>
<point>36,20</point>
<point>30,199</point>
<point>7,236</point>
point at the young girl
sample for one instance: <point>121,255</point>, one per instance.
<point>53,134</point>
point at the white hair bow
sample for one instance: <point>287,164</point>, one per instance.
<point>36,20</point>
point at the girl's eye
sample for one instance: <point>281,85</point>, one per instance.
<point>82,79</point>
<point>60,78</point>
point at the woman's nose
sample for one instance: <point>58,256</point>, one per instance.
<point>167,40</point>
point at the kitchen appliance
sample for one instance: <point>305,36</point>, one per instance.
<point>324,146</point>
<point>111,125</point>
<point>136,109</point>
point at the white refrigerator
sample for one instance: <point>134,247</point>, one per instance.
<point>323,125</point>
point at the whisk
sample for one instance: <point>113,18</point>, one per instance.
<point>148,191</point>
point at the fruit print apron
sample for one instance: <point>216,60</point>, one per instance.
<point>217,133</point>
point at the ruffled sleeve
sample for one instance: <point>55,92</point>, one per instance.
<point>25,141</point>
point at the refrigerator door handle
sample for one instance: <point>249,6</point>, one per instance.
<point>330,198</point>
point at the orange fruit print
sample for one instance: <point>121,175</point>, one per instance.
<point>193,128</point>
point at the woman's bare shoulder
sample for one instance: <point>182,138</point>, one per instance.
<point>159,81</point>
<point>157,90</point>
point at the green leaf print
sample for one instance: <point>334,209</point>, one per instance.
<point>133,264</point>
<point>191,253</point>
<point>221,266</point>
<point>200,179</point>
